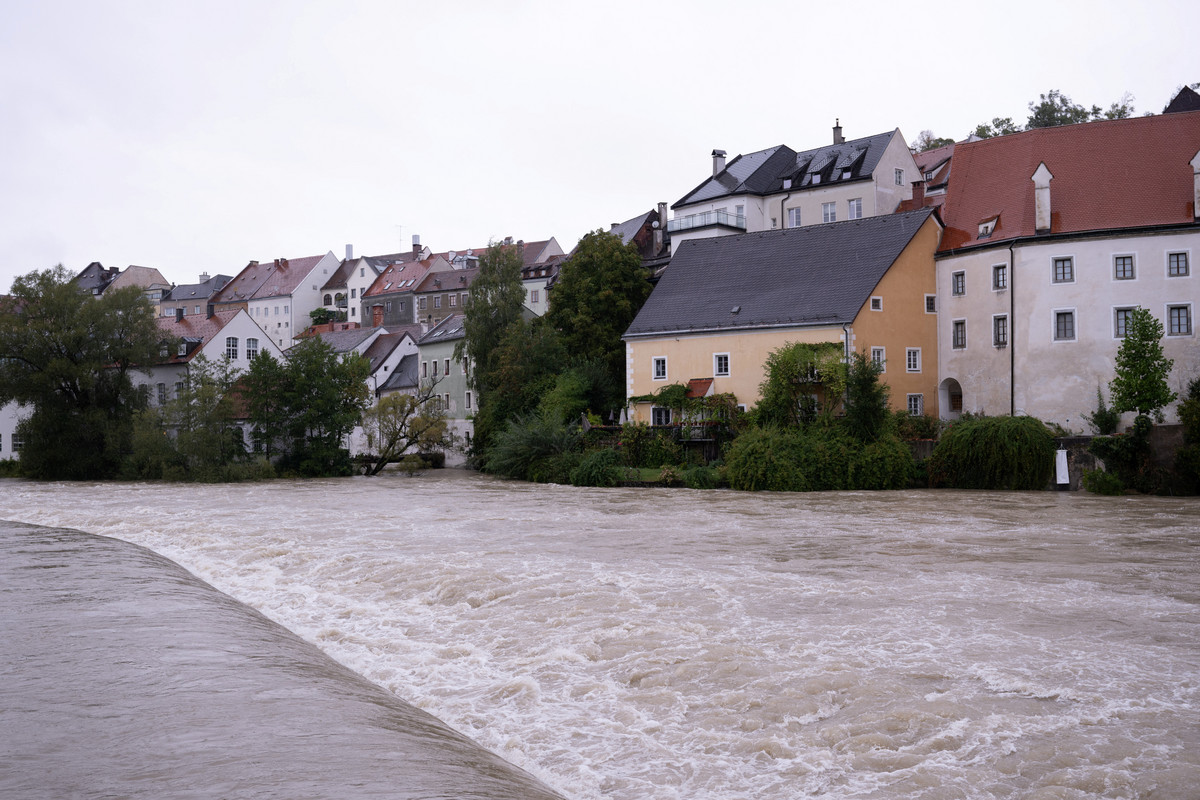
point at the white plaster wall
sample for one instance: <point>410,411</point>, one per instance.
<point>10,415</point>
<point>1056,381</point>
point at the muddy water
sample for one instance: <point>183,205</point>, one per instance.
<point>702,645</point>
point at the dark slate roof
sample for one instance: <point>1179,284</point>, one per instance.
<point>764,172</point>
<point>1186,100</point>
<point>808,276</point>
<point>448,330</point>
<point>404,376</point>
<point>629,228</point>
<point>345,341</point>
<point>198,291</point>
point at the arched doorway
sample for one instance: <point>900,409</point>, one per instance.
<point>950,399</point>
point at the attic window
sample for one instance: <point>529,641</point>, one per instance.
<point>846,173</point>
<point>787,183</point>
<point>928,176</point>
<point>816,178</point>
<point>987,226</point>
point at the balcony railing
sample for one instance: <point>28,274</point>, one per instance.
<point>704,219</point>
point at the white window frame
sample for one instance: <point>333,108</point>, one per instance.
<point>1054,262</point>
<point>251,348</point>
<point>954,328</point>
<point>1132,266</point>
<point>912,359</point>
<point>854,208</point>
<point>931,307</point>
<point>916,404</point>
<point>1007,333</point>
<point>1054,325</point>
<point>1191,322</point>
<point>717,373</point>
<point>656,412</point>
<point>958,283</point>
<point>654,371</point>
<point>1116,318</point>
<point>793,217</point>
<point>231,347</point>
<point>999,271</point>
<point>899,176</point>
<point>879,356</point>
<point>1187,263</point>
<point>876,303</point>
<point>829,212</point>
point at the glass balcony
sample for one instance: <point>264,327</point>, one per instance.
<point>705,219</point>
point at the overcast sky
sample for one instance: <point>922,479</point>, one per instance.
<point>196,136</point>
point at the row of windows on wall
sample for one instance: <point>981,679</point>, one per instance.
<point>170,312</point>
<point>912,358</point>
<point>854,210</point>
<point>231,348</point>
<point>454,299</point>
<point>266,312</point>
<point>426,366</point>
<point>1178,323</point>
<point>658,366</point>
<point>1062,270</point>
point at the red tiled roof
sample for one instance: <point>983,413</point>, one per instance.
<point>1108,175</point>
<point>267,279</point>
<point>390,280</point>
<point>699,387</point>
<point>449,280</point>
<point>929,159</point>
<point>194,326</point>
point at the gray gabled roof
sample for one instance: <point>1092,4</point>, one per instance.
<point>811,276</point>
<point>764,172</point>
<point>404,376</point>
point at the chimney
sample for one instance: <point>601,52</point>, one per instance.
<point>204,277</point>
<point>1041,198</point>
<point>179,314</point>
<point>718,162</point>
<point>918,196</point>
<point>521,248</point>
<point>1196,186</point>
<point>837,132</point>
<point>349,252</point>
<point>508,240</point>
<point>660,225</point>
<point>416,245</point>
<point>377,316</point>
<point>277,263</point>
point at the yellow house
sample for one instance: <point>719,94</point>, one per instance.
<point>726,302</point>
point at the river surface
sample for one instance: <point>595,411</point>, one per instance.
<point>671,644</point>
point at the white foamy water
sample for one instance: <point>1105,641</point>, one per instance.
<point>676,644</point>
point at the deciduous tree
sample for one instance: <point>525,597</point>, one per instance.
<point>403,423</point>
<point>70,355</point>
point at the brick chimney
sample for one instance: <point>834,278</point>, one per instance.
<point>837,132</point>
<point>1041,198</point>
<point>718,157</point>
<point>918,197</point>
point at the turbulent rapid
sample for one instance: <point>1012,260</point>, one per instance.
<point>672,644</point>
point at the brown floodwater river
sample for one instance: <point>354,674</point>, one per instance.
<point>609,643</point>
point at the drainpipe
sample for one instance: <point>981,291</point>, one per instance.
<point>1012,329</point>
<point>782,218</point>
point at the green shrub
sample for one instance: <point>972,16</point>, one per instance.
<point>1103,420</point>
<point>701,478</point>
<point>994,453</point>
<point>1097,481</point>
<point>816,459</point>
<point>670,476</point>
<point>556,468</point>
<point>517,450</point>
<point>909,427</point>
<point>10,468</point>
<point>598,468</point>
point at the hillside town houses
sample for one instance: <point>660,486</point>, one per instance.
<point>991,276</point>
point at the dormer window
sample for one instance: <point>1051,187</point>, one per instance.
<point>787,183</point>
<point>846,174</point>
<point>987,226</point>
<point>182,348</point>
<point>816,178</point>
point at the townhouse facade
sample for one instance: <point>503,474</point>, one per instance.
<point>279,295</point>
<point>727,302</point>
<point>781,188</point>
<point>448,376</point>
<point>1052,237</point>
